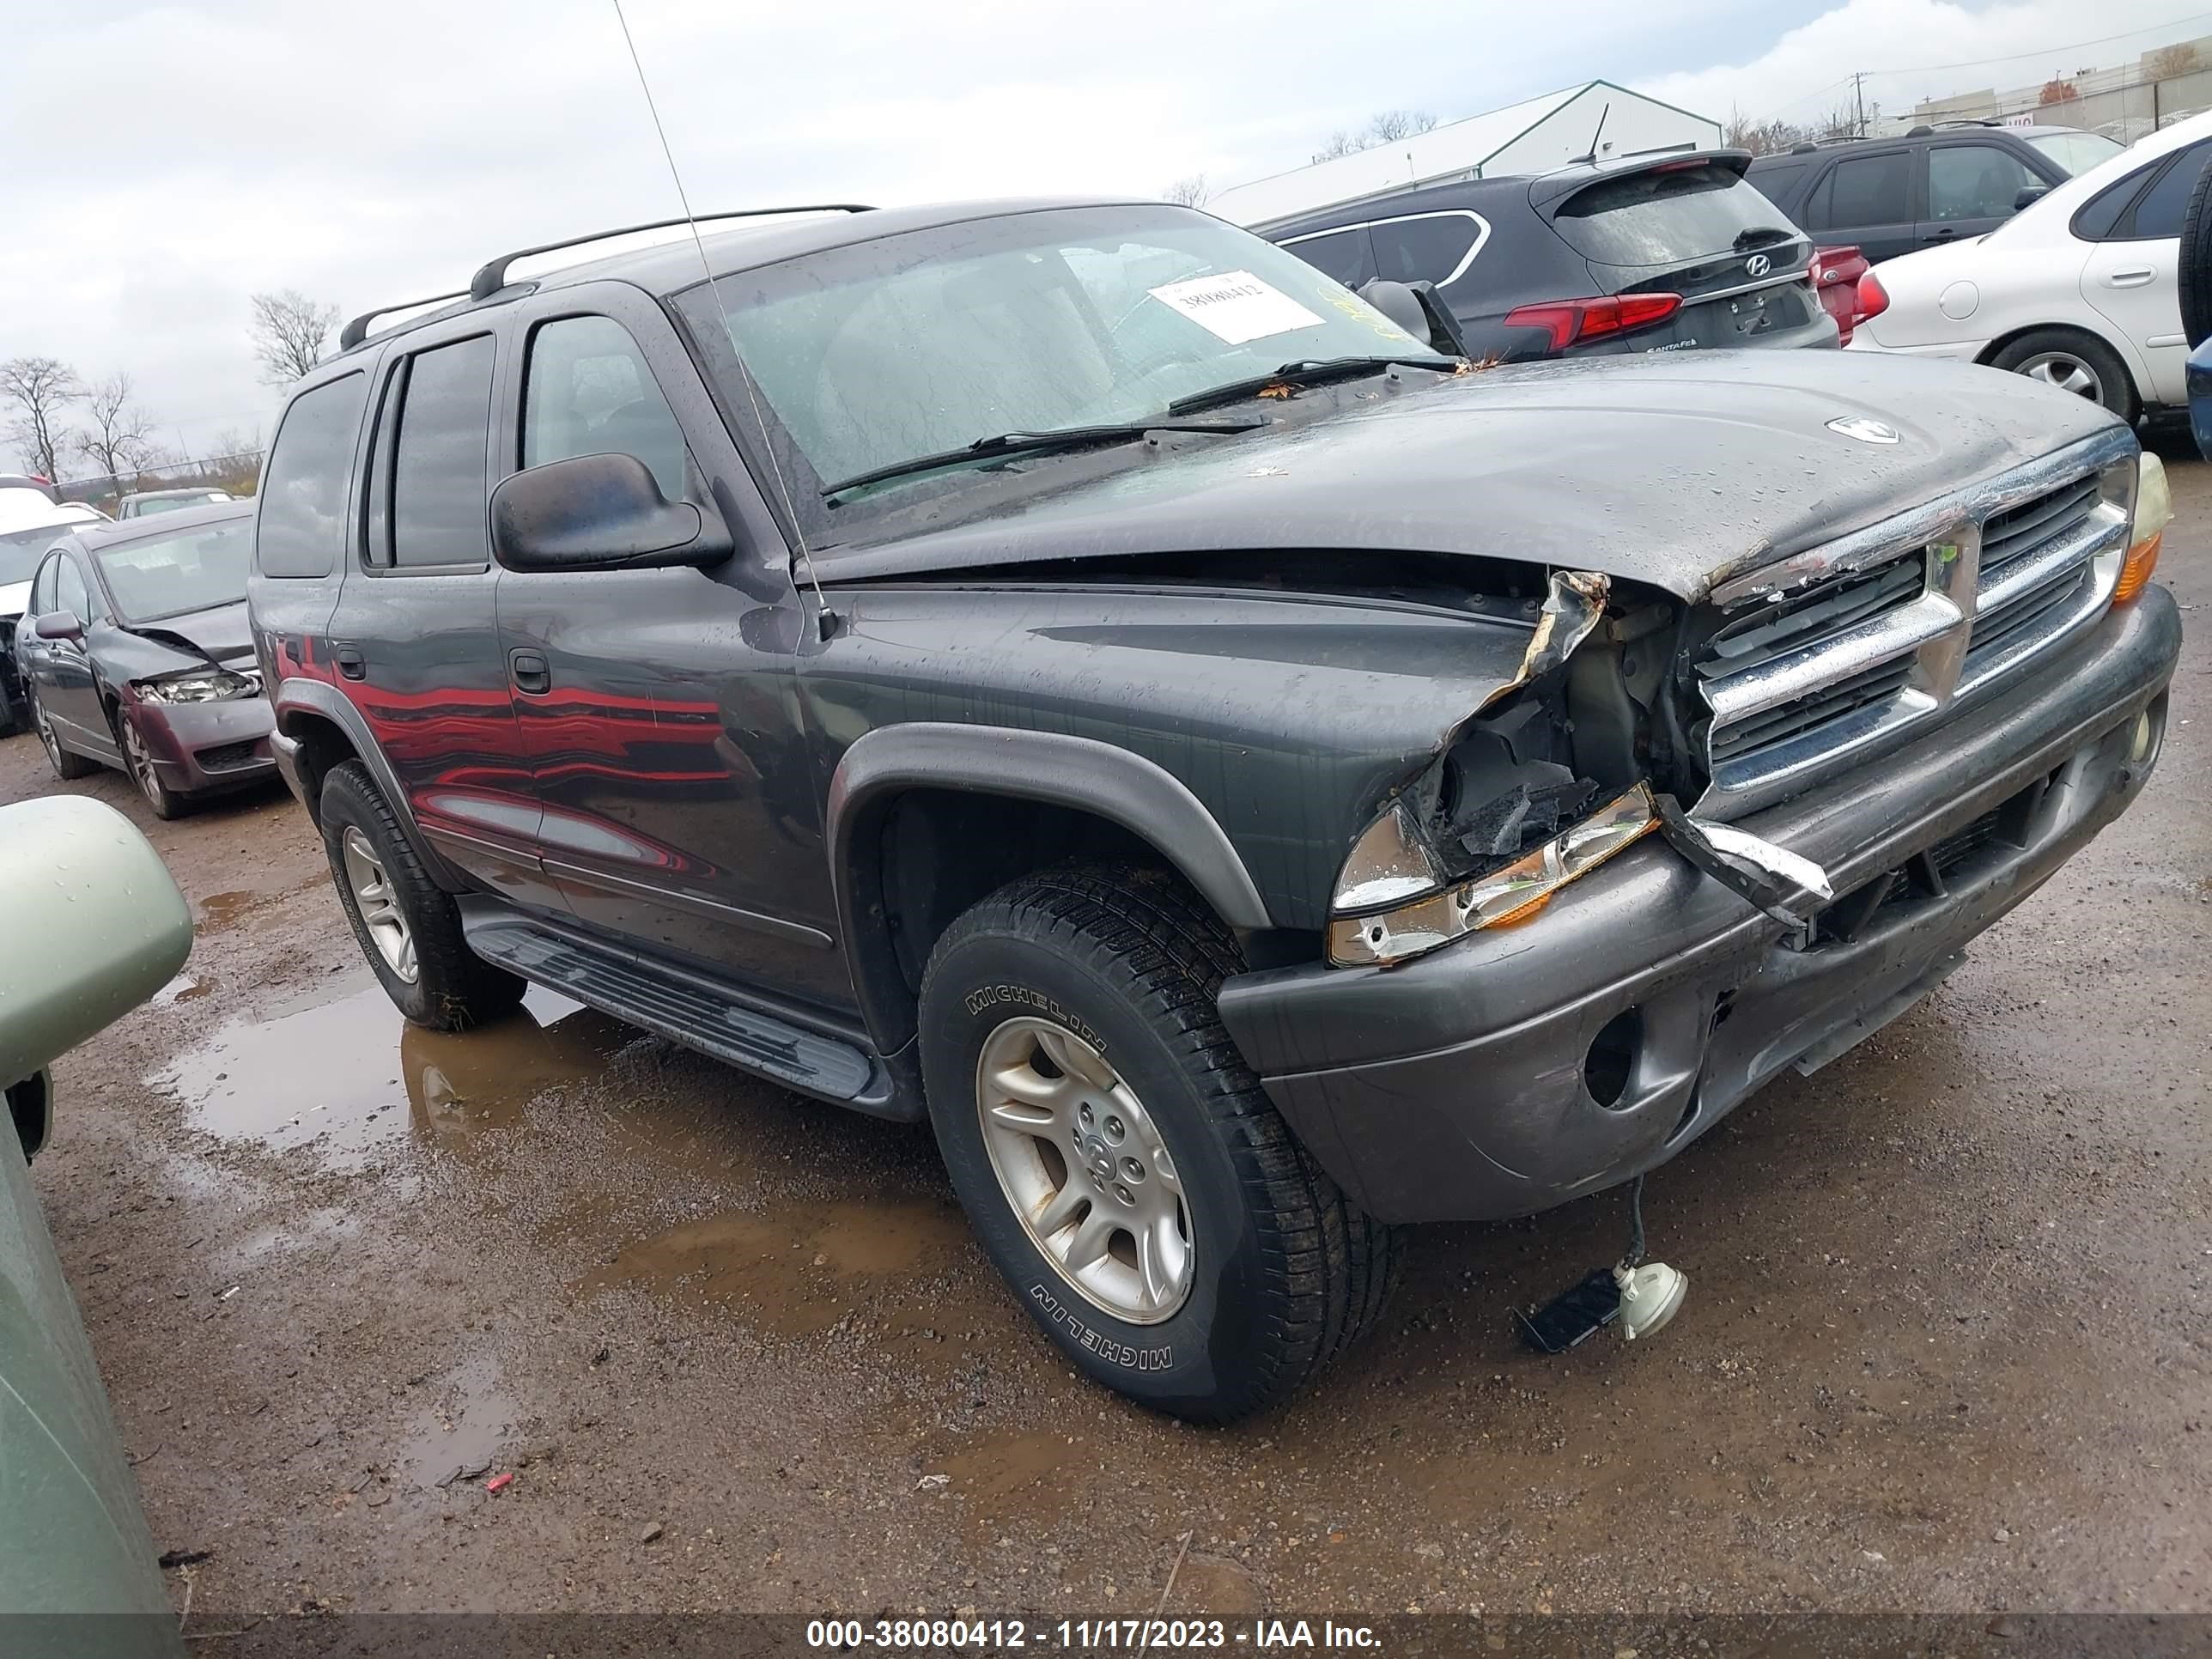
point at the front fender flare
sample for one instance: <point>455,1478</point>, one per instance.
<point>300,696</point>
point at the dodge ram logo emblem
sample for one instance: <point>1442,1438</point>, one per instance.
<point>1758,266</point>
<point>1866,431</point>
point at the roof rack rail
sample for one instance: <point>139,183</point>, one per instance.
<point>492,276</point>
<point>357,331</point>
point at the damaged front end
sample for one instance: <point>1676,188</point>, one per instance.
<point>1561,768</point>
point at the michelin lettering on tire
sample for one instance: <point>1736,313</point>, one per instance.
<point>1021,996</point>
<point>1091,1339</point>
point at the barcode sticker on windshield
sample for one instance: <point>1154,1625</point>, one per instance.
<point>1235,306</point>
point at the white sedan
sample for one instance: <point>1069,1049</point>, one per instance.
<point>2077,289</point>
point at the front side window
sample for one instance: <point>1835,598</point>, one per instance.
<point>1975,181</point>
<point>1344,254</point>
<point>70,594</point>
<point>171,575</point>
<point>589,392</point>
<point>440,463</point>
<point>1866,190</point>
<point>303,495</point>
<point>913,344</point>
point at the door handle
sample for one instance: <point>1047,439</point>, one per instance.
<point>350,662</point>
<point>2133,277</point>
<point>1944,235</point>
<point>530,670</point>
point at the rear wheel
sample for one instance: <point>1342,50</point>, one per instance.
<point>408,927</point>
<point>1120,1162</point>
<point>2194,262</point>
<point>2080,363</point>
<point>67,764</point>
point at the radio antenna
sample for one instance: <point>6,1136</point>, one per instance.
<point>826,621</point>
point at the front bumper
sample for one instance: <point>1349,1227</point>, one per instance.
<point>203,748</point>
<point>1454,1087</point>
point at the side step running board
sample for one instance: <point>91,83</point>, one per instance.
<point>685,1009</point>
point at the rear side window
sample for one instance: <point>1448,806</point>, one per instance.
<point>439,470</point>
<point>589,393</point>
<point>1343,254</point>
<point>1777,183</point>
<point>2159,213</point>
<point>303,494</point>
<point>1664,215</point>
<point>1865,190</point>
<point>1429,247</point>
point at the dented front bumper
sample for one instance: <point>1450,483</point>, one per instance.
<point>1459,1086</point>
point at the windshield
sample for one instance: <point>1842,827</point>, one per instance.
<point>2077,152</point>
<point>914,343</point>
<point>1669,216</point>
<point>169,575</point>
<point>143,505</point>
<point>19,550</point>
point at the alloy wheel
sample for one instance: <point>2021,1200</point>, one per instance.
<point>2067,372</point>
<point>1083,1166</point>
<point>372,896</point>
<point>140,760</point>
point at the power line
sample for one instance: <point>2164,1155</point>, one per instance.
<point>2045,52</point>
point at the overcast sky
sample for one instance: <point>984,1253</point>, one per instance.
<point>165,162</point>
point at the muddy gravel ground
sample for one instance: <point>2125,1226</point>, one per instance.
<point>1946,1346</point>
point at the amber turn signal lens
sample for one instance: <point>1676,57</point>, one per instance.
<point>2136,569</point>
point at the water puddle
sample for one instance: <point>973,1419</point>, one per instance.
<point>219,910</point>
<point>348,1076</point>
<point>458,1431</point>
<point>798,1268</point>
<point>183,988</point>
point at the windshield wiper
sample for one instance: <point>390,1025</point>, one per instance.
<point>1018,443</point>
<point>1763,236</point>
<point>1306,372</point>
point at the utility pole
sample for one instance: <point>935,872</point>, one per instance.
<point>1858,93</point>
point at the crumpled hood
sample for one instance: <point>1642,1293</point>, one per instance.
<point>220,631</point>
<point>1676,469</point>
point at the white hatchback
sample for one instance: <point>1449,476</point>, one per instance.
<point>2078,288</point>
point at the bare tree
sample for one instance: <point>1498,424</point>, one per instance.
<point>1767,137</point>
<point>119,440</point>
<point>34,391</point>
<point>1190,192</point>
<point>1387,128</point>
<point>1392,124</point>
<point>237,460</point>
<point>2057,92</point>
<point>288,330</point>
<point>2171,62</point>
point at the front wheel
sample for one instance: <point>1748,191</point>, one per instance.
<point>1120,1162</point>
<point>138,762</point>
<point>409,929</point>
<point>2078,363</point>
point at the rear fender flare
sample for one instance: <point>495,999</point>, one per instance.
<point>299,696</point>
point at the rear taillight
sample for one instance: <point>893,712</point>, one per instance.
<point>1576,322</point>
<point>1873,298</point>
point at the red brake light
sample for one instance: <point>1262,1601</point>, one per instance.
<point>1873,298</point>
<point>1571,322</point>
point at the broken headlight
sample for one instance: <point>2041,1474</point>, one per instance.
<point>1392,851</point>
<point>197,688</point>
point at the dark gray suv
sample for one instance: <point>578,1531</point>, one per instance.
<point>1072,672</point>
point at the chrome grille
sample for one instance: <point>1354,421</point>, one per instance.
<point>1837,654</point>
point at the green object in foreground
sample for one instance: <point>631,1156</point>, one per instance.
<point>94,925</point>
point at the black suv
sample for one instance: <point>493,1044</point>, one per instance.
<point>1648,253</point>
<point>1073,673</point>
<point>1927,186</point>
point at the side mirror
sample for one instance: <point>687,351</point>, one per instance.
<point>598,513</point>
<point>1419,309</point>
<point>59,625</point>
<point>2029,194</point>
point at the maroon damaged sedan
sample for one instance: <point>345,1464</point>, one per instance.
<point>134,654</point>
